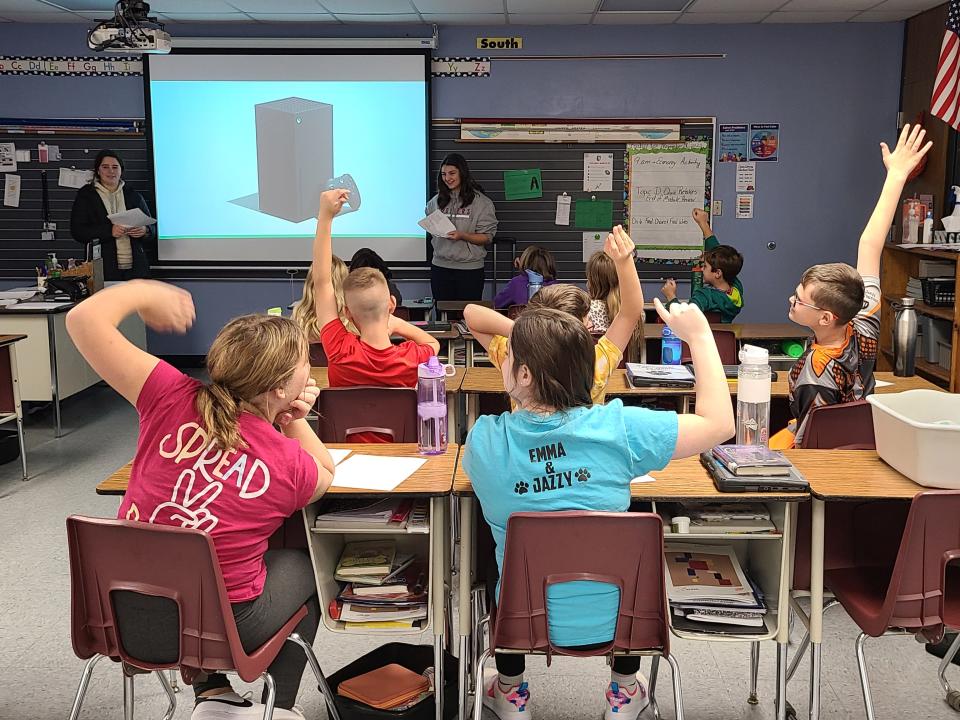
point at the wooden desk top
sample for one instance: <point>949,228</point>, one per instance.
<point>766,331</point>
<point>454,382</point>
<point>434,477</point>
<point>851,475</point>
<point>10,339</point>
<point>55,308</point>
<point>684,479</point>
<point>488,380</point>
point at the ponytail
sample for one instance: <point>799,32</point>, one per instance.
<point>220,412</point>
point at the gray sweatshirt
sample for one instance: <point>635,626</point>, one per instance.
<point>478,217</point>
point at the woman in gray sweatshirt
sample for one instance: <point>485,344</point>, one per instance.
<point>458,258</point>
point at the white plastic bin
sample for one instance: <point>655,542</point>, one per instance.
<point>918,434</point>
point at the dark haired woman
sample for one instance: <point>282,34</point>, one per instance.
<point>457,270</point>
<point>123,248</point>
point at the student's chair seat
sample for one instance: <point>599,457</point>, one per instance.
<point>390,412</point>
<point>910,586</point>
<point>153,615</point>
<point>726,341</point>
<point>544,549</point>
<point>840,427</point>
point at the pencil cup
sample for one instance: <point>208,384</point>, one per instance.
<point>680,525</point>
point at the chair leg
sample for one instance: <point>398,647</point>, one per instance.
<point>952,696</point>
<point>677,688</point>
<point>128,697</point>
<point>754,672</point>
<point>271,688</point>
<point>864,680</point>
<point>171,698</point>
<point>478,695</point>
<point>332,712</point>
<point>652,687</point>
<point>82,688</point>
<point>174,683</point>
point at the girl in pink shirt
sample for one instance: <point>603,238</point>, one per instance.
<point>209,457</point>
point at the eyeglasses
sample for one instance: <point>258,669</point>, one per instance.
<point>794,302</point>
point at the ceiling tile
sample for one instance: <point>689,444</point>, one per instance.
<point>294,17</point>
<point>368,7</point>
<point>918,5</point>
<point>7,7</point>
<point>884,15</point>
<point>634,18</point>
<point>644,5</point>
<point>547,7</point>
<point>827,5</point>
<point>278,7</point>
<point>724,6</point>
<point>96,6</point>
<point>552,19</point>
<point>466,19</point>
<point>384,18</point>
<point>61,16</point>
<point>810,17</point>
<point>225,17</point>
<point>198,7</point>
<point>721,18</point>
<point>456,7</point>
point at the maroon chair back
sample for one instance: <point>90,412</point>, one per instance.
<point>114,560</point>
<point>840,427</point>
<point>391,412</point>
<point>547,548</point>
<point>907,592</point>
<point>712,317</point>
<point>402,313</point>
<point>318,358</point>
<point>726,341</point>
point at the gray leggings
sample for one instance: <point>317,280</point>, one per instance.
<point>289,585</point>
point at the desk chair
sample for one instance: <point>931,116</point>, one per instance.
<point>452,310</point>
<point>115,583</point>
<point>911,589</point>
<point>383,410</point>
<point>726,341</point>
<point>9,401</point>
<point>554,547</point>
<point>318,358</point>
<point>840,427</point>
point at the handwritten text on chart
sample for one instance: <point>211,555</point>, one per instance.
<point>679,161</point>
<point>661,221</point>
<point>668,193</point>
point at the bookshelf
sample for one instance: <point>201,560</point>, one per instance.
<point>898,265</point>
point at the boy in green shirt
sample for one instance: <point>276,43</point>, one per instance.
<point>721,292</point>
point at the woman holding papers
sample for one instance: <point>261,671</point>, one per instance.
<point>123,247</point>
<point>458,254</point>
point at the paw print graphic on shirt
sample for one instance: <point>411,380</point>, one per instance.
<point>582,475</point>
<point>521,488</point>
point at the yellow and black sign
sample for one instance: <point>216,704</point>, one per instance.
<point>499,43</point>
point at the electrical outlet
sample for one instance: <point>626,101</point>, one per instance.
<point>717,208</point>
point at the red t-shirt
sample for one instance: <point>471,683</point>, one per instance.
<point>239,498</point>
<point>352,362</point>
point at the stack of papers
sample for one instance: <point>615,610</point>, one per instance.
<point>375,472</point>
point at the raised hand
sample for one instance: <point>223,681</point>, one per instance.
<point>908,152</point>
<point>684,319</point>
<point>669,289</point>
<point>165,308</point>
<point>331,201</point>
<point>701,216</point>
<point>618,246</point>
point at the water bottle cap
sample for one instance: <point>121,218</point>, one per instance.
<point>533,277</point>
<point>753,355</point>
<point>907,302</point>
<point>433,368</point>
<point>666,332</point>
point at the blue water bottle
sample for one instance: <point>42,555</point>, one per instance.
<point>534,283</point>
<point>670,347</point>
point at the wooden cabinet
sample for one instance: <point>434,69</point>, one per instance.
<point>897,267</point>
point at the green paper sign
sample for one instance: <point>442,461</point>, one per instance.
<point>594,214</point>
<point>522,184</point>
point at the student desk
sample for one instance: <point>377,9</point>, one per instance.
<point>50,366</point>
<point>433,480</point>
<point>838,476</point>
<point>10,409</point>
<point>770,557</point>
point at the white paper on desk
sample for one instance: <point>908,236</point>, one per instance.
<point>11,190</point>
<point>41,305</point>
<point>882,383</point>
<point>563,210</point>
<point>338,455</point>
<point>437,224</point>
<point>643,479</point>
<point>375,472</point>
<point>16,294</point>
<point>8,157</point>
<point>132,218</point>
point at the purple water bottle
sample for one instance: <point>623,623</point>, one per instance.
<point>432,406</point>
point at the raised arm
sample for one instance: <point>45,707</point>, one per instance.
<point>93,328</point>
<point>702,218</point>
<point>619,248</point>
<point>712,421</point>
<point>485,323</point>
<point>412,332</point>
<point>899,163</point>
<point>326,301</point>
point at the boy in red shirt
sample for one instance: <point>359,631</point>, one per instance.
<point>371,358</point>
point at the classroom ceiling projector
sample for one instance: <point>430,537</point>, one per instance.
<point>130,30</point>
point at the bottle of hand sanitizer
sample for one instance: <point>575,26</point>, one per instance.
<point>928,228</point>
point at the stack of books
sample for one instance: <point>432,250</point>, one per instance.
<point>709,592</point>
<point>751,468</point>
<point>386,514</point>
<point>641,375</point>
<point>722,518</point>
<point>383,589</point>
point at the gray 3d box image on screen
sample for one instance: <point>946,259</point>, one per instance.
<point>294,156</point>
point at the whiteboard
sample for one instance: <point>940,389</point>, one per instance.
<point>664,184</point>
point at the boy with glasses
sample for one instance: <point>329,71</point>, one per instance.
<point>841,305</point>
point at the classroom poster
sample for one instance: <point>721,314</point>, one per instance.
<point>8,157</point>
<point>732,146</point>
<point>746,177</point>
<point>522,184</point>
<point>744,207</point>
<point>593,242</point>
<point>598,172</point>
<point>765,142</point>
<point>594,214</point>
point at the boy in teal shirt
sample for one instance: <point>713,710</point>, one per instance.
<point>721,292</point>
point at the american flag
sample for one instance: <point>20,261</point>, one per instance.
<point>945,103</point>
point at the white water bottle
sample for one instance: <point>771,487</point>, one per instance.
<point>753,396</point>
